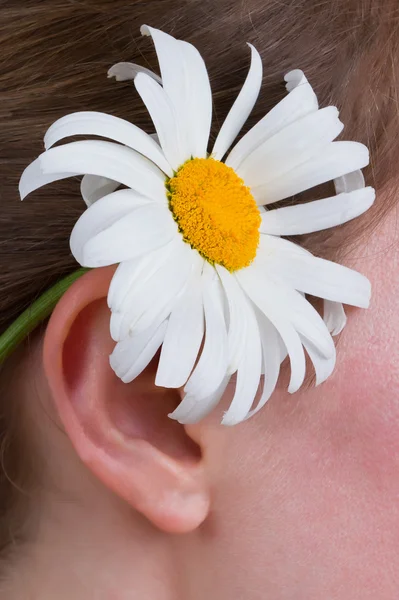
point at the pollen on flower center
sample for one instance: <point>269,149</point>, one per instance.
<point>216,213</point>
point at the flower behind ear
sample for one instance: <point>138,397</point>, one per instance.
<point>203,271</point>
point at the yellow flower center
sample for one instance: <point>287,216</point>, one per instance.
<point>216,213</point>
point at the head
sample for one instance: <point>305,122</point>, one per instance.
<point>100,492</point>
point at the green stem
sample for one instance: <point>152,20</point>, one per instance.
<point>35,314</point>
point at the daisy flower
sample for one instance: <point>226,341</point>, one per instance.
<point>204,271</point>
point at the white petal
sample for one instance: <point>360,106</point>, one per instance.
<point>295,79</point>
<point>291,147</point>
<point>271,360</point>
<point>317,215</point>
<point>115,326</point>
<point>334,317</point>
<point>128,283</point>
<point>131,356</point>
<point>241,108</point>
<point>127,275</point>
<point>315,276</point>
<point>158,287</point>
<point>127,280</point>
<point>237,325</point>
<point>195,409</point>
<point>94,187</point>
<point>323,366</point>
<point>156,298</point>
<point>198,102</point>
<point>300,102</point>
<point>262,293</point>
<point>170,57</point>
<point>144,229</point>
<point>212,365</point>
<point>186,83</point>
<point>304,317</point>
<point>337,159</point>
<point>299,311</point>
<point>283,351</point>
<point>350,182</point>
<point>183,338</point>
<point>248,372</point>
<point>165,119</point>
<point>114,128</point>
<point>101,215</point>
<point>126,71</point>
<point>105,159</point>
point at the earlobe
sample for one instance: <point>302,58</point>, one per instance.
<point>121,431</point>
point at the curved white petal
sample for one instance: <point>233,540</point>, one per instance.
<point>115,326</point>
<point>104,159</point>
<point>127,71</point>
<point>143,292</point>
<point>283,351</point>
<point>198,101</point>
<point>131,356</point>
<point>248,371</point>
<point>101,215</point>
<point>317,215</point>
<point>271,360</point>
<point>296,79</point>
<point>93,188</point>
<point>237,325</point>
<point>334,317</point>
<point>241,108</point>
<point>299,311</point>
<point>183,338</point>
<point>303,316</point>
<point>291,147</point>
<point>186,83</point>
<point>300,102</point>
<point>212,366</point>
<point>157,297</point>
<point>125,277</point>
<point>165,119</point>
<point>311,275</point>
<point>193,409</point>
<point>114,128</point>
<point>350,182</point>
<point>337,159</point>
<point>164,293</point>
<point>171,63</point>
<point>334,313</point>
<point>129,284</point>
<point>158,288</point>
<point>144,229</point>
<point>121,282</point>
<point>323,366</point>
<point>262,294</point>
<point>131,274</point>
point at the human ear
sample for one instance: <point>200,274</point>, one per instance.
<point>121,431</point>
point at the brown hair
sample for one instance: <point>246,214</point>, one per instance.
<point>55,55</point>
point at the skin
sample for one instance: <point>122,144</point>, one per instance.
<point>299,503</point>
